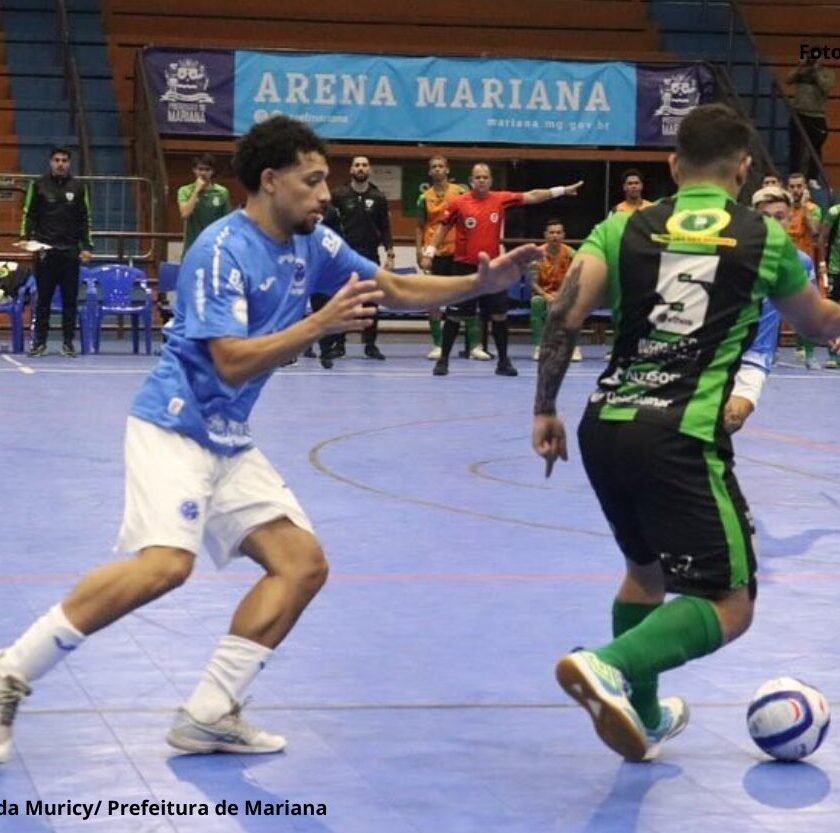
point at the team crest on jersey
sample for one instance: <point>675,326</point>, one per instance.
<point>470,222</point>
<point>494,217</point>
<point>298,278</point>
<point>700,226</point>
<point>70,196</point>
<point>368,203</point>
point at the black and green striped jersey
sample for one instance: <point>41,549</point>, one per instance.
<point>686,278</point>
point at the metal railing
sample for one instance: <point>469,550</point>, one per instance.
<point>73,87</point>
<point>777,97</point>
<point>127,204</point>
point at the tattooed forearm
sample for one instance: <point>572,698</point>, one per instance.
<point>558,344</point>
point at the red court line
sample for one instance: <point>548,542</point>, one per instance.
<point>791,439</point>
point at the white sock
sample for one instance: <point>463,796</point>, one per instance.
<point>232,668</point>
<point>46,643</point>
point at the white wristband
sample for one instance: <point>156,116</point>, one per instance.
<point>429,251</point>
<point>557,191</point>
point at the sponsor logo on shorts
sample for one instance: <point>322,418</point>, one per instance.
<point>189,510</point>
<point>175,406</point>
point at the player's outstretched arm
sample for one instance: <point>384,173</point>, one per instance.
<point>238,360</point>
<point>427,291</point>
<point>811,315</point>
<point>538,195</point>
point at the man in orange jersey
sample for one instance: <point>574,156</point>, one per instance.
<point>546,277</point>
<point>430,206</point>
<point>633,186</point>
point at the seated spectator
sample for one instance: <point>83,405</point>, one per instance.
<point>546,276</point>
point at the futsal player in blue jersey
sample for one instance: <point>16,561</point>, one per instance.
<point>194,479</point>
<point>757,362</point>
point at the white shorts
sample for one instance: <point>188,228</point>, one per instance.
<point>179,494</point>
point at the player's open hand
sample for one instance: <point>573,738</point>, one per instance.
<point>346,310</point>
<point>498,274</point>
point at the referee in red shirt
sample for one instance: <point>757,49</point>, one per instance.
<point>478,217</point>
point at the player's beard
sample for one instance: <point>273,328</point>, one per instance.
<point>305,226</point>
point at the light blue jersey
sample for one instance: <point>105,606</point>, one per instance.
<point>763,348</point>
<point>236,282</point>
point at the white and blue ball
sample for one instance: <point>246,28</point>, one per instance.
<point>788,719</point>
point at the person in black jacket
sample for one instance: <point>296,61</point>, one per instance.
<point>57,212</point>
<point>365,224</point>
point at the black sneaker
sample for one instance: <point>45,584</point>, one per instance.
<point>37,350</point>
<point>67,350</point>
<point>505,368</point>
<point>373,352</point>
<point>441,368</point>
<point>309,353</point>
<point>326,362</point>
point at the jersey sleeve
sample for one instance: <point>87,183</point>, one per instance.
<point>185,192</point>
<point>226,197</point>
<point>511,198</point>
<point>761,352</point>
<point>596,243</point>
<point>451,211</point>
<point>333,262</point>
<point>216,297</point>
<point>791,276</point>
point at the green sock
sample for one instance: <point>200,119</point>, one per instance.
<point>625,617</point>
<point>473,336</point>
<point>684,629</point>
<point>537,319</point>
<point>435,327</point>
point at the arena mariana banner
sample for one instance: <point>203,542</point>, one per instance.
<point>444,100</point>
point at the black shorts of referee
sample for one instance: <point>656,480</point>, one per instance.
<point>496,303</point>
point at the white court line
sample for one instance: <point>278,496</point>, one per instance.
<point>18,365</point>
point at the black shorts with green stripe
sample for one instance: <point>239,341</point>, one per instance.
<point>672,498</point>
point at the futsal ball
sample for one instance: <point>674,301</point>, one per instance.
<point>788,719</point>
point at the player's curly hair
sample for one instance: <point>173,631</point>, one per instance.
<point>274,143</point>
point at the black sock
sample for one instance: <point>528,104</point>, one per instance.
<point>500,337</point>
<point>450,333</point>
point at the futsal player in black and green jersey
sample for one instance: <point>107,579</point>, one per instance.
<point>685,279</point>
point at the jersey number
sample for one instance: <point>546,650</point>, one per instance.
<point>683,285</point>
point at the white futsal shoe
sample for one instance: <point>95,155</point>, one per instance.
<point>602,690</point>
<point>13,688</point>
<point>674,719</point>
<point>230,733</point>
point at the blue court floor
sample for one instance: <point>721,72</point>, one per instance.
<point>417,693</point>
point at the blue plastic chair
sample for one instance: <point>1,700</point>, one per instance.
<point>122,290</point>
<point>14,309</point>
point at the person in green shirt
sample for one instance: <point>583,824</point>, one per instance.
<point>685,280</point>
<point>203,201</point>
<point>830,246</point>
